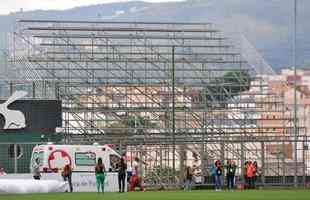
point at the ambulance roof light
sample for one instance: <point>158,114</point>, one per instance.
<point>95,143</point>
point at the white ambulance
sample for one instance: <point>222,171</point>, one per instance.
<point>82,158</point>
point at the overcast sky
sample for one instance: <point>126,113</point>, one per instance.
<point>7,6</point>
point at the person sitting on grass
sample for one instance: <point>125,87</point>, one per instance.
<point>100,175</point>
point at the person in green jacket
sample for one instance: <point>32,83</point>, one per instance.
<point>100,175</point>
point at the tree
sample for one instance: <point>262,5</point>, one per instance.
<point>124,127</point>
<point>221,89</point>
<point>137,121</point>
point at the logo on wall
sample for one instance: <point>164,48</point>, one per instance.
<point>14,119</point>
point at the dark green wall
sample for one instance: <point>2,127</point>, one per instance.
<point>26,141</point>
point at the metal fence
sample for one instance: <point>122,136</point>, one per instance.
<point>273,170</point>
<point>277,171</point>
<point>15,157</point>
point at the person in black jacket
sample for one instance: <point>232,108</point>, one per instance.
<point>122,169</point>
<point>231,171</point>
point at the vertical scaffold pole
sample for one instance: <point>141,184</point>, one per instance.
<point>295,96</point>
<point>173,109</point>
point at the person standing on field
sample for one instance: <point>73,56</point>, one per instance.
<point>245,169</point>
<point>213,174</point>
<point>122,170</point>
<point>36,169</point>
<point>136,179</point>
<point>250,174</point>
<point>100,175</point>
<point>188,179</point>
<point>67,175</point>
<point>231,171</point>
<point>255,172</point>
<point>218,176</point>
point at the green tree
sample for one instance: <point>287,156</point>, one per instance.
<point>221,89</point>
<point>125,126</point>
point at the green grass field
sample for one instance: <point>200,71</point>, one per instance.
<point>175,195</point>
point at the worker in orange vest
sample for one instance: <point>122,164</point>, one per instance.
<point>250,174</point>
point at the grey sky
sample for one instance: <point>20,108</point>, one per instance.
<point>8,6</point>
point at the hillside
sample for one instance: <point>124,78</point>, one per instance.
<point>266,23</point>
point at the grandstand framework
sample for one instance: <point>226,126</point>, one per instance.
<point>172,94</point>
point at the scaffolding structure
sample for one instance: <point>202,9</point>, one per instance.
<point>171,94</point>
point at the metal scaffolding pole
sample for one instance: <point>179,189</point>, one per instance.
<point>295,97</point>
<point>173,110</point>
